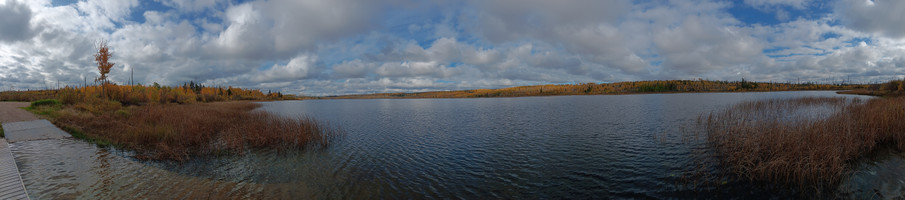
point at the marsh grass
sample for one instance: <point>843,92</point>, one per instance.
<point>179,132</point>
<point>172,123</point>
<point>796,142</point>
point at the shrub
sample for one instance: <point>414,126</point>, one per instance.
<point>45,102</point>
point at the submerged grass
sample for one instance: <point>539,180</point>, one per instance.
<point>785,141</point>
<point>179,132</point>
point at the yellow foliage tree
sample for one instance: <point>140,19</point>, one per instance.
<point>102,58</point>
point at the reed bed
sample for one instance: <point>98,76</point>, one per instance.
<point>179,132</point>
<point>796,142</point>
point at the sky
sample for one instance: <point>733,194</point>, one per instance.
<point>335,47</point>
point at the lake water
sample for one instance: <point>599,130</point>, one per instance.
<point>609,146</point>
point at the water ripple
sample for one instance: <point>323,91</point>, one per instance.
<point>572,147</point>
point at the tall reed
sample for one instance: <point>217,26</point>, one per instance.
<point>797,142</point>
<point>179,132</point>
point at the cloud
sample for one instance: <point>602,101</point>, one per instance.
<point>328,47</point>
<point>15,18</point>
<point>297,68</point>
<point>104,14</point>
<point>192,5</point>
<point>880,17</point>
<point>280,28</point>
<point>797,4</point>
<point>701,44</point>
<point>352,69</point>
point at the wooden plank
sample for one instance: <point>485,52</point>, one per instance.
<point>11,186</point>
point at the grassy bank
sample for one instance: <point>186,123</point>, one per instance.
<point>779,141</point>
<point>175,123</point>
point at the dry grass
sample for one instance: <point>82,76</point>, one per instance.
<point>27,96</point>
<point>162,122</point>
<point>779,141</point>
<point>179,132</point>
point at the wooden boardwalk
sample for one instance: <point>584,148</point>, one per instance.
<point>19,125</point>
<point>11,186</point>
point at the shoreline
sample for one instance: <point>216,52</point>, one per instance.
<point>617,88</point>
<point>840,91</point>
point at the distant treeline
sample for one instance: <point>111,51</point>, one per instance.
<point>141,95</point>
<point>891,88</point>
<point>634,87</point>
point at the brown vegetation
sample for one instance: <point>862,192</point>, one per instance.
<point>27,96</point>
<point>891,88</point>
<point>161,122</point>
<point>780,141</point>
<point>178,132</point>
<point>172,123</point>
<point>143,95</point>
<point>666,86</point>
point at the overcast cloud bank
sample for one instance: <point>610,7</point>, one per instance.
<point>328,47</point>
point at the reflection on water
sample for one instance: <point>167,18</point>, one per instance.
<point>536,147</point>
<point>71,169</point>
<point>881,175</point>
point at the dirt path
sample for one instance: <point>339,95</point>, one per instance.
<point>11,112</point>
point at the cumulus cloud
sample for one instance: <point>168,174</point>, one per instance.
<point>104,14</point>
<point>798,4</point>
<point>278,28</point>
<point>881,17</point>
<point>700,45</point>
<point>507,20</point>
<point>15,18</point>
<point>328,47</point>
<point>192,5</point>
<point>297,68</point>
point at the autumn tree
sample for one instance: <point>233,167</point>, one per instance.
<point>102,58</point>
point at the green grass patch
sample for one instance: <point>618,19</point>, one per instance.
<point>45,102</point>
<point>123,113</point>
<point>45,107</point>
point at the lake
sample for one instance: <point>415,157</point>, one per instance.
<point>575,147</point>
